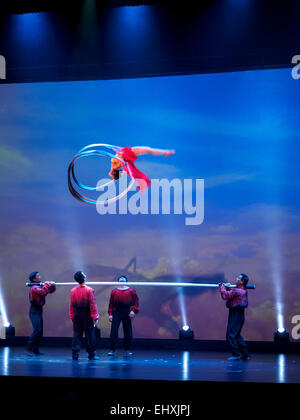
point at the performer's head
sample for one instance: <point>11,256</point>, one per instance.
<point>115,174</point>
<point>122,280</point>
<point>34,276</point>
<point>115,169</point>
<point>80,277</point>
<point>242,280</point>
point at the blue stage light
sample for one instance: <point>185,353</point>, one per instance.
<point>10,331</point>
<point>185,365</point>
<point>281,336</point>
<point>3,312</point>
<point>279,313</point>
<point>280,329</point>
<point>281,367</point>
<point>186,333</point>
<point>31,29</point>
<point>175,258</point>
<point>275,256</point>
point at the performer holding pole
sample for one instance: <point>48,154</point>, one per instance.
<point>37,300</point>
<point>236,302</point>
<point>123,306</point>
<point>84,314</point>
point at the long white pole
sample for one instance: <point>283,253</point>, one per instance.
<point>144,283</point>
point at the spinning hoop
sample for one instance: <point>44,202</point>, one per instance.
<point>91,151</point>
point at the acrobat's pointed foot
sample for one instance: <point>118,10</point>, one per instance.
<point>170,152</point>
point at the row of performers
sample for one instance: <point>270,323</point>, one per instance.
<point>123,307</point>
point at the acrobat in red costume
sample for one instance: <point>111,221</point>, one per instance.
<point>37,295</point>
<point>129,155</point>
<point>84,315</point>
<point>123,306</point>
<point>236,302</point>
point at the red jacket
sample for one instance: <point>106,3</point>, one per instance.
<point>83,296</point>
<point>37,294</point>
<point>129,156</point>
<point>122,301</point>
<point>235,297</point>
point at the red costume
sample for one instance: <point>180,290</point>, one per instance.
<point>123,301</point>
<point>37,300</point>
<point>235,297</point>
<point>37,294</point>
<point>129,157</point>
<point>236,302</point>
<point>83,313</point>
<point>83,296</point>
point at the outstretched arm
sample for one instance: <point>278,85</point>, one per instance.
<point>144,150</point>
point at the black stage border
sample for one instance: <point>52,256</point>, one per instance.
<point>94,397</point>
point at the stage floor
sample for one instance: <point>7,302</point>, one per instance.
<point>170,365</point>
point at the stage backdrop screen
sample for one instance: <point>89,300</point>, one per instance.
<point>236,162</point>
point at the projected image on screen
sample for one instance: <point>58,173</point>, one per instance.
<point>237,131</point>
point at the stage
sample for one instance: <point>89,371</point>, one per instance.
<point>164,365</point>
<point>153,379</point>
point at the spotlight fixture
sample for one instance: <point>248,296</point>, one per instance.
<point>9,331</point>
<point>186,333</point>
<point>281,336</point>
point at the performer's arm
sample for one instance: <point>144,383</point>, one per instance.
<point>71,309</point>
<point>144,150</point>
<point>51,286</point>
<point>93,306</point>
<point>135,307</point>
<point>111,304</point>
<point>46,288</point>
<point>228,294</point>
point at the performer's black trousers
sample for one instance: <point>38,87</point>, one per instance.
<point>36,317</point>
<point>236,321</point>
<point>127,328</point>
<point>83,323</point>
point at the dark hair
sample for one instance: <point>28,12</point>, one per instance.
<point>79,277</point>
<point>32,275</point>
<point>116,173</point>
<point>245,278</point>
<point>123,277</point>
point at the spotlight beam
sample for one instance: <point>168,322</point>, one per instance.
<point>143,283</point>
<point>3,312</point>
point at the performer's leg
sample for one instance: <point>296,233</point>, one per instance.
<point>145,150</point>
<point>90,336</point>
<point>30,340</point>
<point>114,331</point>
<point>242,346</point>
<point>127,328</point>
<point>36,317</point>
<point>233,328</point>
<point>40,334</point>
<point>77,336</point>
